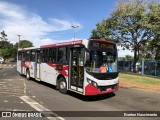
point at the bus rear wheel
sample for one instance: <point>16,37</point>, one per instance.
<point>62,85</point>
<point>28,75</point>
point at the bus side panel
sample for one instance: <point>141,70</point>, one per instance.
<point>48,73</point>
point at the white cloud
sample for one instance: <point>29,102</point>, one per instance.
<point>64,25</point>
<point>15,20</point>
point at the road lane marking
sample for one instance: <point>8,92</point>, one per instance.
<point>24,88</point>
<point>6,101</point>
<point>40,108</point>
<point>16,79</point>
<point>3,82</point>
<point>21,79</point>
<point>12,89</point>
<point>9,93</point>
<point>8,79</point>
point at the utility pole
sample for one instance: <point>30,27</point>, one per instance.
<point>74,27</point>
<point>19,39</point>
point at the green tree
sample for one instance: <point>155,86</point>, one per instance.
<point>6,53</point>
<point>130,25</point>
<point>154,25</point>
<point>128,57</point>
<point>7,49</point>
<point>3,40</point>
<point>23,44</point>
<point>3,36</point>
<point>5,44</point>
<point>151,48</point>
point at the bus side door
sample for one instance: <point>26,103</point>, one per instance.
<point>38,63</point>
<point>76,69</point>
<point>19,62</point>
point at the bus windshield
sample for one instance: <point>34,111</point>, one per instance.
<point>101,61</point>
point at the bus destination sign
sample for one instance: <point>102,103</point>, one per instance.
<point>98,44</point>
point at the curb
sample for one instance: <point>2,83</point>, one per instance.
<point>126,87</point>
<point>137,88</point>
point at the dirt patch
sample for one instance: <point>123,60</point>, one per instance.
<point>127,84</point>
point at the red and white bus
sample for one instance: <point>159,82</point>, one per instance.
<point>87,67</point>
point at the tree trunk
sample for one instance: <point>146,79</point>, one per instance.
<point>135,59</point>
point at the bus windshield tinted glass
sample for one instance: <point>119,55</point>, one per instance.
<point>102,61</point>
<point>101,45</point>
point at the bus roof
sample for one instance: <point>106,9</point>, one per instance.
<point>65,43</point>
<point>29,48</point>
<point>62,44</point>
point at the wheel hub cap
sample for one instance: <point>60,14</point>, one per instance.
<point>62,85</point>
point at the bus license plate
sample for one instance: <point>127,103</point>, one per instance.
<point>109,89</point>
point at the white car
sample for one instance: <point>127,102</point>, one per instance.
<point>1,60</point>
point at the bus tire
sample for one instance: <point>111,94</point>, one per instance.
<point>28,74</point>
<point>62,85</point>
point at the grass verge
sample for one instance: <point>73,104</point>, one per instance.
<point>141,82</point>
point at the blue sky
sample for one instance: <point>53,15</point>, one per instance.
<point>59,14</point>
<point>49,21</point>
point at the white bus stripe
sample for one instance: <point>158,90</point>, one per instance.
<point>39,107</point>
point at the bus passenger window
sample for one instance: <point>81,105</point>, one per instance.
<point>62,55</point>
<point>32,56</point>
<point>52,55</point>
<point>27,56</point>
<point>45,55</point>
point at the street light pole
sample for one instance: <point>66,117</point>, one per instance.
<point>74,27</point>
<point>19,39</point>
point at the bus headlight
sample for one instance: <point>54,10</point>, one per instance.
<point>92,83</point>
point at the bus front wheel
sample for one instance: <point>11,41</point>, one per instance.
<point>62,85</point>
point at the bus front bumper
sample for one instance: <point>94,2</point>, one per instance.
<point>91,90</point>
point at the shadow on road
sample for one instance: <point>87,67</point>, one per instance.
<point>79,96</point>
<point>91,98</point>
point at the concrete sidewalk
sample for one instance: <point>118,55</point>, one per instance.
<point>8,65</point>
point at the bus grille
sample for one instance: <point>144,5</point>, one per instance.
<point>104,88</point>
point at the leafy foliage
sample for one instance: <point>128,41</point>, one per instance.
<point>3,36</point>
<point>8,50</point>
<point>131,25</point>
<point>25,44</point>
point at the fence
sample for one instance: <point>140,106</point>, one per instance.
<point>152,68</point>
<point>143,67</point>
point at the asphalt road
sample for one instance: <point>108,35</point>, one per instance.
<point>19,94</point>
